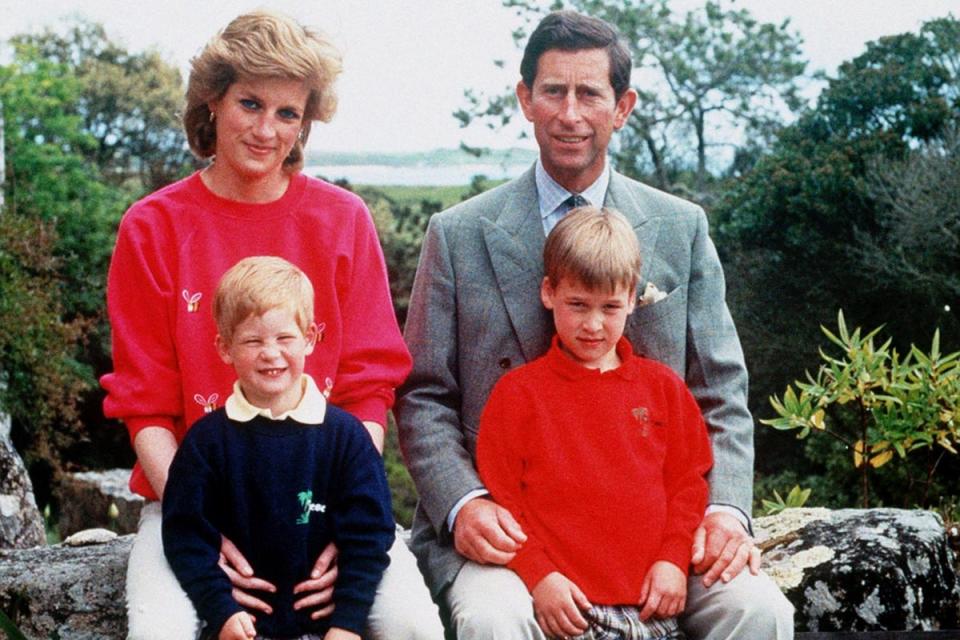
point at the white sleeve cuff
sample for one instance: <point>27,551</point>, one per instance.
<point>452,516</point>
<point>724,508</point>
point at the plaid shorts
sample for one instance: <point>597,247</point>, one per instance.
<point>616,622</point>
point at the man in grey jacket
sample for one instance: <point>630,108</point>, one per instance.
<point>474,314</point>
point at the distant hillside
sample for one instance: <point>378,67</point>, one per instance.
<point>436,157</point>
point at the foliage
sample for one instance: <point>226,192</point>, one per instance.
<point>403,493</point>
<point>55,238</point>
<point>879,406</point>
<point>127,102</point>
<point>714,71</point>
<point>917,239</point>
<point>796,498</point>
<point>401,228</point>
<point>88,128</point>
<point>40,379</point>
<point>9,628</point>
<point>795,231</point>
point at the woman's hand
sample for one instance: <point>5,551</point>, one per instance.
<point>241,577</point>
<point>239,626</point>
<point>319,587</point>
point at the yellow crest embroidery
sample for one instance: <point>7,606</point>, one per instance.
<point>321,329</point>
<point>208,404</point>
<point>192,300</point>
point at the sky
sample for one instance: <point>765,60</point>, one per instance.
<point>407,63</point>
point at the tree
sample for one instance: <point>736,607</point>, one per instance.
<point>43,265</point>
<point>128,103</point>
<point>705,79</point>
<point>917,241</point>
<point>795,229</point>
<point>56,237</point>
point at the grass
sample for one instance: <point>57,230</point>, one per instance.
<point>412,195</point>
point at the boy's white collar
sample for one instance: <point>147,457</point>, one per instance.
<point>311,409</point>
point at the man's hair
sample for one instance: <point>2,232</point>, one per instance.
<point>572,31</point>
<point>595,247</point>
<point>261,44</point>
<point>258,284</point>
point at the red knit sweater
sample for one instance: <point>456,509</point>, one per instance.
<point>173,246</point>
<point>604,471</point>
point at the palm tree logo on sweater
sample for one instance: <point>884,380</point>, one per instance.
<point>308,506</point>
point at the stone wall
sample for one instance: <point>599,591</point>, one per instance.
<point>850,570</point>
<point>861,570</point>
<point>70,593</point>
<point>21,525</point>
<point>98,499</point>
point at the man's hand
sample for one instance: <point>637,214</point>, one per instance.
<point>722,548</point>
<point>336,633</point>
<point>241,577</point>
<point>319,587</point>
<point>487,533</point>
<point>239,626</point>
<point>664,591</point>
<point>558,604</point>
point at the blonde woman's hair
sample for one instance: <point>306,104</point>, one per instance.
<point>261,44</point>
<point>595,247</point>
<point>258,284</point>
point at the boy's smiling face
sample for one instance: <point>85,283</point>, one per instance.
<point>268,353</point>
<point>589,322</point>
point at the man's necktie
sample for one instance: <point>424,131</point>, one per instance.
<point>574,201</point>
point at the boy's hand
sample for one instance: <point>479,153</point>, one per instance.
<point>241,576</point>
<point>664,591</point>
<point>319,586</point>
<point>557,604</point>
<point>336,633</point>
<point>239,626</point>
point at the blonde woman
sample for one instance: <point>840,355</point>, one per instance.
<point>253,92</point>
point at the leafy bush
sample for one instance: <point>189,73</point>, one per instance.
<point>879,408</point>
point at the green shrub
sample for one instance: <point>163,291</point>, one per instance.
<point>878,408</point>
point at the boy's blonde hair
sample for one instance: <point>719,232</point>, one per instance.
<point>261,44</point>
<point>258,284</point>
<point>595,247</point>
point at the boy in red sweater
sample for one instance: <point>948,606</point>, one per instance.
<point>600,453</point>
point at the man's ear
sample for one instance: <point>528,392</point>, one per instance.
<point>625,106</point>
<point>223,349</point>
<point>525,99</point>
<point>311,337</point>
<point>546,293</point>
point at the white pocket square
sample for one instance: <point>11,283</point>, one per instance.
<point>651,294</point>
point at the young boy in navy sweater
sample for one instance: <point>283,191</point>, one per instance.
<point>600,454</point>
<point>277,470</point>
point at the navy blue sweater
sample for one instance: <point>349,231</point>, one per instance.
<point>281,491</point>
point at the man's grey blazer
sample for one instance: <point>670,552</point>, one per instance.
<point>475,312</point>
